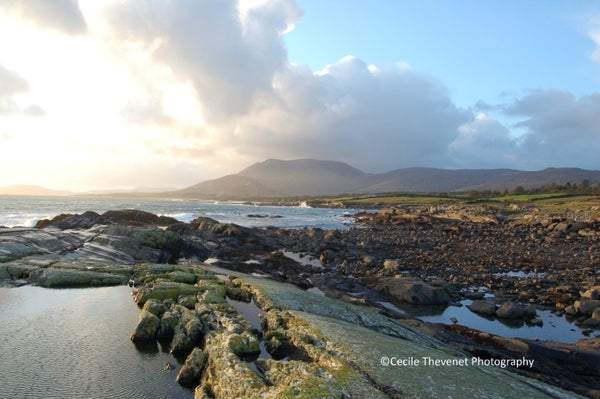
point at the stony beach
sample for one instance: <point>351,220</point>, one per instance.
<point>510,263</point>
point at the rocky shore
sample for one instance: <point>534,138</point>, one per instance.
<point>510,264</point>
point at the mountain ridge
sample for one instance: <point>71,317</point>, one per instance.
<point>312,177</point>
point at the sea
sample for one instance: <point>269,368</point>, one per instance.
<point>74,343</point>
<point>25,211</point>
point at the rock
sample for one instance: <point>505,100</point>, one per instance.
<point>191,372</point>
<point>186,336</point>
<point>155,307</point>
<point>570,310</point>
<point>474,295</point>
<point>146,328</point>
<point>591,323</point>
<point>411,291</point>
<point>168,323</point>
<point>136,217</point>
<point>483,307</point>
<point>586,306</point>
<point>52,277</point>
<point>244,345</point>
<point>596,314</point>
<point>391,265</point>
<point>511,310</point>
<point>162,290</point>
<point>189,301</point>
<point>592,293</point>
<point>67,221</point>
<point>536,322</point>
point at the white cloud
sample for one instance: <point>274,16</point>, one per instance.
<point>593,33</point>
<point>62,15</point>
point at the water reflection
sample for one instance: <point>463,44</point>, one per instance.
<point>74,343</point>
<point>554,328</point>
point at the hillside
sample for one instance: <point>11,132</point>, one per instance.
<point>24,189</point>
<point>310,177</point>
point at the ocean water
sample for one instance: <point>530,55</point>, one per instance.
<point>27,210</point>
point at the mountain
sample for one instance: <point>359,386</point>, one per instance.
<point>229,187</point>
<point>277,178</point>
<point>24,189</point>
<point>306,176</point>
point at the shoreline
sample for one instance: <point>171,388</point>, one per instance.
<point>424,255</point>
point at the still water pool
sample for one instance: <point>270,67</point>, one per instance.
<point>74,343</point>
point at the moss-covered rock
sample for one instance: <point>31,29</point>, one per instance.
<point>146,328</point>
<point>182,277</point>
<point>192,369</point>
<point>155,307</point>
<point>52,277</point>
<point>244,345</point>
<point>162,290</point>
<point>168,323</point>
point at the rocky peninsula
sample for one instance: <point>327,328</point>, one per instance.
<point>186,275</point>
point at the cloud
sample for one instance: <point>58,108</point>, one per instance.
<point>593,32</point>
<point>146,110</point>
<point>377,119</point>
<point>560,129</point>
<point>12,83</point>
<point>61,15</point>
<point>230,58</point>
<point>484,143</point>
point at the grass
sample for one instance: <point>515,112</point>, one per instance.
<point>550,202</point>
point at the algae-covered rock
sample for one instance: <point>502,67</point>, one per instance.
<point>189,301</point>
<point>192,369</point>
<point>182,277</point>
<point>244,345</point>
<point>226,376</point>
<point>155,307</point>
<point>168,323</point>
<point>52,277</point>
<point>187,336</point>
<point>162,290</point>
<point>146,328</point>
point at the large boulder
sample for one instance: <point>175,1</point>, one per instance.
<point>586,306</point>
<point>511,310</point>
<point>484,308</point>
<point>412,291</point>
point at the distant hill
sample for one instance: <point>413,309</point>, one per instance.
<point>229,187</point>
<point>277,178</point>
<point>24,189</point>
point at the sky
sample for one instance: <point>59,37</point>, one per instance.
<point>124,94</point>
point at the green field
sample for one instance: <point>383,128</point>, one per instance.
<point>549,202</point>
